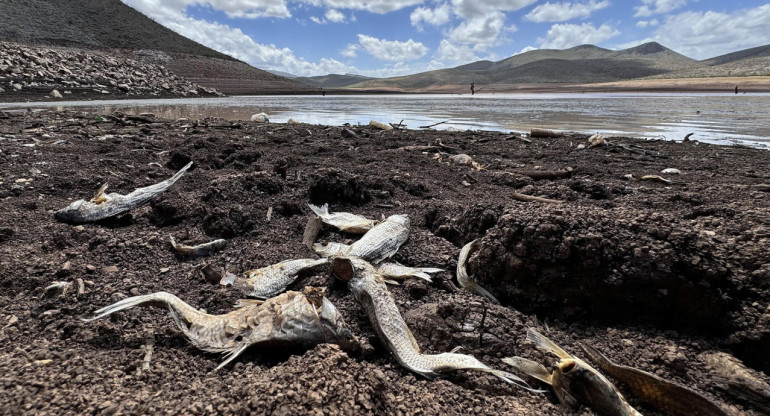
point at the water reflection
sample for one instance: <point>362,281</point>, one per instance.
<point>718,118</point>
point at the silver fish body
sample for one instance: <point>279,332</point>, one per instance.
<point>397,271</point>
<point>292,319</point>
<point>271,280</point>
<point>103,205</point>
<point>344,221</point>
<point>382,241</point>
<point>330,249</point>
<point>573,380</point>
<point>462,273</point>
<point>368,287</point>
<point>200,250</point>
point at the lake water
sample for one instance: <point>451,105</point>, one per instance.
<point>716,118</point>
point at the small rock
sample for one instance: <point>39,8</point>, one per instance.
<point>111,269</point>
<point>13,320</point>
<point>56,94</point>
<point>90,268</point>
<point>164,270</point>
<point>671,171</point>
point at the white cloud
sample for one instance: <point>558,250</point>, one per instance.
<point>435,17</point>
<point>392,50</point>
<point>351,51</point>
<point>702,35</point>
<point>651,7</point>
<point>374,6</point>
<point>248,9</point>
<point>335,16</point>
<point>481,31</point>
<point>475,8</point>
<point>449,53</point>
<point>560,12</point>
<point>645,23</point>
<point>526,49</point>
<point>561,36</point>
<point>317,20</point>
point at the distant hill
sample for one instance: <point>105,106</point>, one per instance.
<point>752,53</point>
<point>334,80</point>
<point>110,24</point>
<point>581,64</point>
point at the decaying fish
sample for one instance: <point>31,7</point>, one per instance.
<point>330,249</point>
<point>200,250</point>
<point>382,241</point>
<point>573,381</point>
<point>368,287</point>
<point>293,319</point>
<point>345,221</point>
<point>743,384</point>
<point>667,396</point>
<point>462,273</point>
<point>104,205</point>
<point>397,271</point>
<point>271,280</point>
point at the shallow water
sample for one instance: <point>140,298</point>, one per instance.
<point>716,118</point>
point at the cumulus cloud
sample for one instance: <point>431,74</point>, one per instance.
<point>435,17</point>
<point>351,51</point>
<point>482,31</point>
<point>469,9</point>
<point>392,50</point>
<point>651,7</point>
<point>452,54</point>
<point>702,35</point>
<point>560,12</point>
<point>374,6</point>
<point>561,36</point>
<point>645,23</point>
<point>335,16</point>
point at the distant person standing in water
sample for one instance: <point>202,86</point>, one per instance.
<point>736,89</point>
<point>473,89</point>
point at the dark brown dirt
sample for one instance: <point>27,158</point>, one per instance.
<point>651,274</point>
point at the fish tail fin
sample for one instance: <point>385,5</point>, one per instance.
<point>597,357</point>
<point>475,287</point>
<point>242,303</point>
<point>172,240</point>
<point>99,197</point>
<point>155,299</point>
<point>544,344</point>
<point>231,355</point>
<point>530,368</point>
<point>321,211</point>
<point>228,279</point>
<point>422,275</point>
<point>511,379</point>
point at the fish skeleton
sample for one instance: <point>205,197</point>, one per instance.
<point>271,280</point>
<point>368,287</point>
<point>573,381</point>
<point>382,241</point>
<point>292,319</point>
<point>200,250</point>
<point>665,395</point>
<point>345,221</point>
<point>462,273</point>
<point>104,205</point>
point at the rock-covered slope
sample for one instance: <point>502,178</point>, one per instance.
<point>73,73</point>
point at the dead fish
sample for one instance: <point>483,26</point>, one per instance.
<point>573,381</point>
<point>671,171</point>
<point>382,241</point>
<point>462,273</point>
<point>330,249</point>
<point>344,221</point>
<point>271,280</point>
<point>200,250</point>
<point>655,178</point>
<point>743,384</point>
<point>290,320</point>
<point>397,271</point>
<point>665,395</point>
<point>368,287</point>
<point>103,205</point>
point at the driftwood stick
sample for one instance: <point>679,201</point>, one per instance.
<point>545,133</point>
<point>518,137</point>
<point>149,346</point>
<point>434,125</point>
<point>312,229</point>
<point>529,198</point>
<point>548,174</point>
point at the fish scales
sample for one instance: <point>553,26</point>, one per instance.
<point>344,221</point>
<point>273,279</point>
<point>103,205</point>
<point>382,241</point>
<point>290,319</point>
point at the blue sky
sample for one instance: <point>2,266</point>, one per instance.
<point>397,37</point>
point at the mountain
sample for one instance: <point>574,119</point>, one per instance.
<point>580,64</point>
<point>110,24</point>
<point>334,80</point>
<point>752,53</point>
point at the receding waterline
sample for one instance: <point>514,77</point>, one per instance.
<point>717,118</point>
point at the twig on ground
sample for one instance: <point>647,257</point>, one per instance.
<point>434,125</point>
<point>530,198</point>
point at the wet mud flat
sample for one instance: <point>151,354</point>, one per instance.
<point>656,275</point>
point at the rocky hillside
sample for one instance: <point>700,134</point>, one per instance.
<point>72,73</point>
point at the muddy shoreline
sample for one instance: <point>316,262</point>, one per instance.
<point>655,275</point>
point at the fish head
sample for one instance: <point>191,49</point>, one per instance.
<point>334,327</point>
<point>575,382</point>
<point>71,213</point>
<point>402,219</point>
